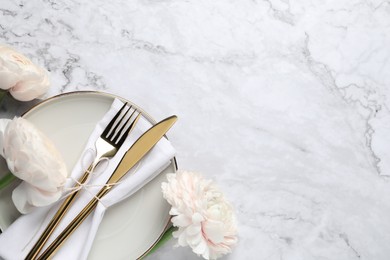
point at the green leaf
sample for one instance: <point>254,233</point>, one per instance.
<point>3,93</point>
<point>167,235</point>
<point>6,180</point>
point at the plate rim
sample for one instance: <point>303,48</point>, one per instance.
<point>113,96</point>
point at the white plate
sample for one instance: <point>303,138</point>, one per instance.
<point>129,229</point>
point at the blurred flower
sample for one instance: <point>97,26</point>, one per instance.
<point>204,218</point>
<point>18,75</point>
<point>32,157</point>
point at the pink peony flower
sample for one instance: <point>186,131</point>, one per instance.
<point>32,157</point>
<point>205,220</point>
<point>18,75</point>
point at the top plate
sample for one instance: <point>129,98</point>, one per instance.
<point>130,228</point>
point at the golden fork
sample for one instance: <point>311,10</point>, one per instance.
<point>135,153</point>
<point>106,146</point>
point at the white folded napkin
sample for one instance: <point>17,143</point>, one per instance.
<point>20,237</point>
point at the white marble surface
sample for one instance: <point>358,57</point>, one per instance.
<point>285,104</point>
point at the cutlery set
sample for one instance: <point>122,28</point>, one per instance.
<point>107,145</point>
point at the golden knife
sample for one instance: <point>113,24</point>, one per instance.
<point>136,152</point>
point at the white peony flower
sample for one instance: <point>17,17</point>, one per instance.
<point>204,218</point>
<point>24,80</point>
<point>32,157</point>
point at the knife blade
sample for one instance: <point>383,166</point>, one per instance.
<point>140,147</point>
<point>135,153</point>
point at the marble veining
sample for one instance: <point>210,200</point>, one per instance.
<point>284,103</point>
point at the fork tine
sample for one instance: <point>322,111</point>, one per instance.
<point>109,126</point>
<point>114,131</point>
<point>118,133</point>
<point>129,129</point>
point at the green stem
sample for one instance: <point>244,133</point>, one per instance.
<point>6,180</point>
<point>3,95</point>
<point>167,235</point>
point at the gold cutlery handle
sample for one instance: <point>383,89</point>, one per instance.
<point>84,213</point>
<point>56,219</point>
<point>135,153</point>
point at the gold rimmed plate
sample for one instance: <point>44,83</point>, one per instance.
<point>130,228</point>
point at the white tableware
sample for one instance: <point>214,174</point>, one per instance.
<point>130,228</point>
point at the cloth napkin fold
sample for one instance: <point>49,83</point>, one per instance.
<point>20,237</point>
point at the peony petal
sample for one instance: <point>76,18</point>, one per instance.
<point>202,249</point>
<point>195,239</point>
<point>177,233</point>
<point>181,221</point>
<point>214,231</point>
<point>197,217</point>
<point>194,229</point>
<point>3,125</point>
<point>26,197</point>
<point>174,211</point>
<point>41,198</point>
<point>182,239</point>
<point>8,79</point>
<point>20,199</point>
